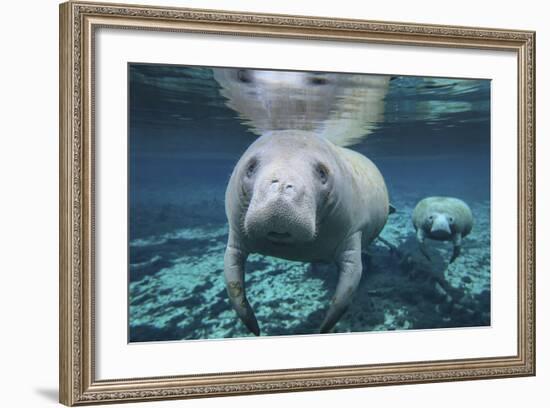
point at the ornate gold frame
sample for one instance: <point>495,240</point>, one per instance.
<point>78,22</point>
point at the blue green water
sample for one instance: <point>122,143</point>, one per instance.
<point>433,139</point>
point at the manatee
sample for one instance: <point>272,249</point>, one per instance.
<point>297,196</point>
<point>442,219</point>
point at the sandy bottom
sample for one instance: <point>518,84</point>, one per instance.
<point>176,285</point>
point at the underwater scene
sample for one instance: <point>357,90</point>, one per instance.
<point>316,238</point>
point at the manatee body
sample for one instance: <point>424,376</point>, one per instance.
<point>442,219</point>
<point>295,195</point>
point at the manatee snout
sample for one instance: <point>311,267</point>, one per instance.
<point>440,226</point>
<point>281,210</point>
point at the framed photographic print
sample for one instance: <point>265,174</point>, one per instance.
<point>260,203</point>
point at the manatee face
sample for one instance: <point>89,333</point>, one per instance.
<point>287,184</point>
<point>439,226</point>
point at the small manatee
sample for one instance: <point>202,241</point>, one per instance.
<point>442,219</point>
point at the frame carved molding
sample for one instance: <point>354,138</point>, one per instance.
<point>78,20</point>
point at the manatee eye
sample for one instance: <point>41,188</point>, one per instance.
<point>322,173</point>
<point>318,80</point>
<point>251,168</point>
<point>431,218</point>
<point>451,220</point>
<point>244,75</point>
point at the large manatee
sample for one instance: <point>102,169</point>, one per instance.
<point>297,196</point>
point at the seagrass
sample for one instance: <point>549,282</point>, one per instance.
<point>78,22</point>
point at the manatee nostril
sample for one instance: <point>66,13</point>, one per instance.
<point>289,187</point>
<point>274,181</point>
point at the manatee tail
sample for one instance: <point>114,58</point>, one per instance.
<point>234,261</point>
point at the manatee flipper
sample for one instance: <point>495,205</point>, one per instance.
<point>457,242</point>
<point>391,209</point>
<point>234,261</point>
<point>420,235</point>
<point>350,268</point>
